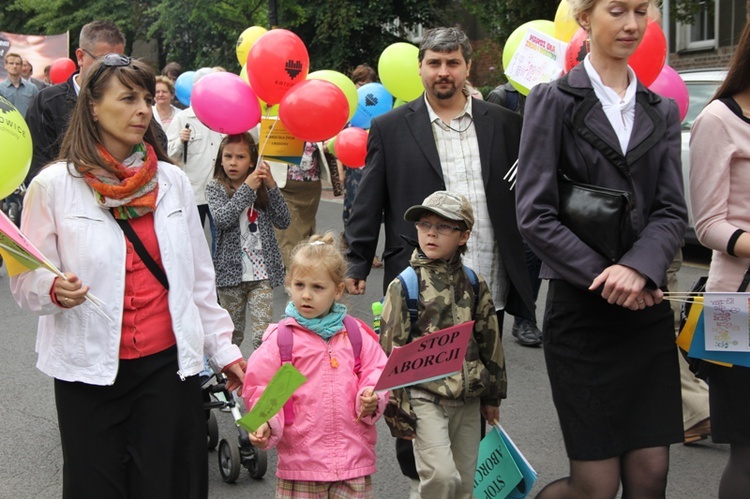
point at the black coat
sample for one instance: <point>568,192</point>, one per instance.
<point>565,124</point>
<point>403,168</point>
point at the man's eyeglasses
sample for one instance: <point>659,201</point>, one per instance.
<point>442,229</point>
<point>109,61</point>
<point>90,54</point>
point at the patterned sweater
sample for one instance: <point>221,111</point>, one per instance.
<point>226,213</point>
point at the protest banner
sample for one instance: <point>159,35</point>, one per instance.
<point>527,471</point>
<point>497,472</point>
<point>539,58</point>
<point>726,322</point>
<point>430,357</point>
<point>277,143</point>
<point>39,50</point>
<point>281,387</point>
<point>726,357</point>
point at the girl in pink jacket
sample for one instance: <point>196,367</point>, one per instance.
<point>326,443</point>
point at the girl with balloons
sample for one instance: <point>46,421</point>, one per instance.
<point>246,205</point>
<point>608,334</point>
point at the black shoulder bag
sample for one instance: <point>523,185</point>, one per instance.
<point>140,249</point>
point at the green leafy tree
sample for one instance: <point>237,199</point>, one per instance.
<point>197,33</point>
<point>340,34</point>
<point>501,17</point>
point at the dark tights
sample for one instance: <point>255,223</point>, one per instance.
<point>735,481</point>
<point>641,472</point>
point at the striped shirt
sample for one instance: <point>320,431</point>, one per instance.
<point>458,150</point>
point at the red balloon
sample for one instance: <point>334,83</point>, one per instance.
<point>647,60</point>
<point>577,49</point>
<point>314,110</point>
<point>351,147</point>
<point>61,69</point>
<point>277,61</point>
<point>651,54</point>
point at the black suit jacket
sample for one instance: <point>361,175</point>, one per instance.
<point>403,168</point>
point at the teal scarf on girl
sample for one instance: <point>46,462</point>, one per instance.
<point>325,326</point>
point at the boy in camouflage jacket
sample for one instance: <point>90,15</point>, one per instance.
<point>443,416</point>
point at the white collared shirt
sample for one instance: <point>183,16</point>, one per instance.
<point>619,112</point>
<point>458,150</point>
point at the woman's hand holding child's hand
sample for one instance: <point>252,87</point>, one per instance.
<point>260,437</point>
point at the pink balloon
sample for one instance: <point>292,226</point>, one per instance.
<point>669,84</point>
<point>314,110</point>
<point>351,147</point>
<point>225,103</point>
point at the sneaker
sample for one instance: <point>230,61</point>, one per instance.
<point>698,432</point>
<point>527,334</point>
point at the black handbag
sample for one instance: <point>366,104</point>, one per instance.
<point>599,216</point>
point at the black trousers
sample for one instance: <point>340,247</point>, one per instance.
<point>143,437</point>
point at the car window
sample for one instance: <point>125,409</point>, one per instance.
<point>700,93</point>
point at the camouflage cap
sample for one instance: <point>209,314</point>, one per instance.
<point>445,204</point>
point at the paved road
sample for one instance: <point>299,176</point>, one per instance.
<point>29,441</point>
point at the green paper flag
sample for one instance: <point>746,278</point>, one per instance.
<point>281,387</point>
<point>497,473</point>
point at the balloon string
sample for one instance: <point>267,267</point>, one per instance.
<point>268,136</point>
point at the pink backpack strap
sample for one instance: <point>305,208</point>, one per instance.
<point>285,342</point>
<point>355,338</point>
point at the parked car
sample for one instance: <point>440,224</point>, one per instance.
<point>702,85</point>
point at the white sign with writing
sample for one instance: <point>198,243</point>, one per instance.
<point>539,58</point>
<point>726,320</point>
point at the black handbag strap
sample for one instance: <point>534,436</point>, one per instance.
<point>745,282</point>
<point>146,257</point>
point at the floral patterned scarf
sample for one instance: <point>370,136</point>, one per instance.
<point>130,189</point>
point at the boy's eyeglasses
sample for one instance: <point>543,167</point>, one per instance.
<point>109,61</point>
<point>442,229</point>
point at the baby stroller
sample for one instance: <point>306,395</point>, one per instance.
<point>242,452</point>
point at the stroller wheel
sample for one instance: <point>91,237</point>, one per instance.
<point>213,430</point>
<point>258,464</point>
<point>229,461</point>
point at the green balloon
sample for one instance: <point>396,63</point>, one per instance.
<point>397,103</point>
<point>343,83</point>
<point>398,67</point>
<point>15,142</point>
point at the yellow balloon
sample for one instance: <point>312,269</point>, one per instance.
<point>15,142</point>
<point>565,24</point>
<point>246,40</point>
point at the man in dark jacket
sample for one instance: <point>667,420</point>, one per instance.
<point>50,111</point>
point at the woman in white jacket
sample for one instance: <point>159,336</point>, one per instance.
<point>128,397</point>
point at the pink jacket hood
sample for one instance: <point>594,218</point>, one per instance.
<point>325,441</point>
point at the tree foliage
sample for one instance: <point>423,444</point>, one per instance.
<point>339,34</point>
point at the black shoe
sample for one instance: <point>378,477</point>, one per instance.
<point>527,334</point>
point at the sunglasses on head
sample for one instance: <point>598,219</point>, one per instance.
<point>109,61</point>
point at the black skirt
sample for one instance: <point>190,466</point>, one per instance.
<point>614,373</point>
<point>729,399</point>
